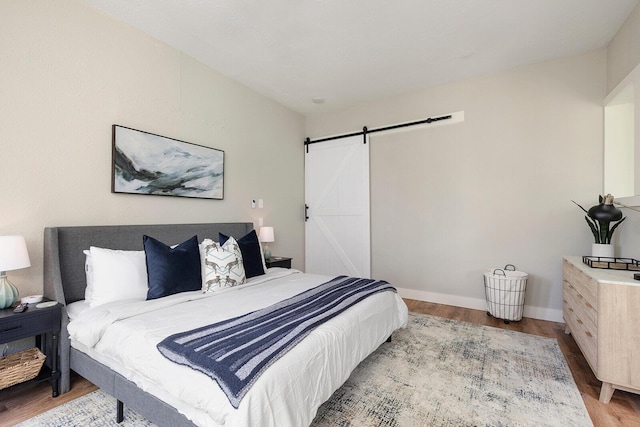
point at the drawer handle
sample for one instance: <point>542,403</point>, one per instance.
<point>588,305</point>
<point>579,296</point>
<point>588,334</point>
<point>570,309</point>
<point>10,329</point>
<point>579,321</point>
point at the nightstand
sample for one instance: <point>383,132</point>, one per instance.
<point>278,261</point>
<point>42,323</point>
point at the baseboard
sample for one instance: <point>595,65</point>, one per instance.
<point>477,304</point>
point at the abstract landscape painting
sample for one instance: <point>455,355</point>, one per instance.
<point>145,163</point>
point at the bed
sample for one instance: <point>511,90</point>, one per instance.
<point>124,360</point>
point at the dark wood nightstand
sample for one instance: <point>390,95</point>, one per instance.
<point>278,261</point>
<point>42,323</point>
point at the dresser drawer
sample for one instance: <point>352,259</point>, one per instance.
<point>586,340</point>
<point>17,328</point>
<point>584,285</point>
<point>583,309</point>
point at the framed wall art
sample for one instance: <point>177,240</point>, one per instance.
<point>145,163</point>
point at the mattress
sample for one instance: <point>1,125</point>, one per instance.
<point>123,336</point>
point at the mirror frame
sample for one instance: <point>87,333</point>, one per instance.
<point>632,79</point>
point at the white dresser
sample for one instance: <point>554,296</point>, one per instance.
<point>602,310</point>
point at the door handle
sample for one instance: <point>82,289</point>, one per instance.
<point>306,212</point>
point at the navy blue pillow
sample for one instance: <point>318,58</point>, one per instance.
<point>172,270</point>
<point>251,254</point>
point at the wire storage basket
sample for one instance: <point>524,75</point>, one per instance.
<point>504,290</point>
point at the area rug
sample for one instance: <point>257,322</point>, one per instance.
<point>436,372</point>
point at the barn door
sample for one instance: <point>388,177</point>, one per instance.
<point>337,230</point>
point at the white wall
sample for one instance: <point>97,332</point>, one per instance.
<point>450,201</point>
<point>69,72</point>
<point>447,202</point>
<point>623,52</point>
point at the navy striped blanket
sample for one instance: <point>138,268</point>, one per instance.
<point>237,351</point>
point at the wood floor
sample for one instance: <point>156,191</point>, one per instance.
<point>623,410</point>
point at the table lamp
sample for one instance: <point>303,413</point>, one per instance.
<point>266,236</point>
<point>13,256</point>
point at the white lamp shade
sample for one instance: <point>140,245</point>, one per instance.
<point>13,253</point>
<point>266,235</point>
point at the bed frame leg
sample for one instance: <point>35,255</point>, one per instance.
<point>119,412</point>
<point>389,339</point>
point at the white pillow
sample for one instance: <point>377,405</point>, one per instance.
<point>88,270</point>
<point>223,266</point>
<point>264,262</point>
<point>117,275</point>
<point>75,309</point>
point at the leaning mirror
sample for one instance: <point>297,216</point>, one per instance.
<point>622,142</point>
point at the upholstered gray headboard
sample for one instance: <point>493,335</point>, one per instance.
<point>64,275</point>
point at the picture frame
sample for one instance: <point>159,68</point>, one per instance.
<point>150,164</point>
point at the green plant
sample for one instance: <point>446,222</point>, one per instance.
<point>600,217</point>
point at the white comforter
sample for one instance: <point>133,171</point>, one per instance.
<point>124,336</point>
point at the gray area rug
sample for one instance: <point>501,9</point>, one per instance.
<point>436,372</point>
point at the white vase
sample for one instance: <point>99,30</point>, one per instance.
<point>602,250</point>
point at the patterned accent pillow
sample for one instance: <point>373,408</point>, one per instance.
<point>252,256</point>
<point>223,266</point>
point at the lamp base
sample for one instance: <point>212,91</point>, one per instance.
<point>267,252</point>
<point>8,292</point>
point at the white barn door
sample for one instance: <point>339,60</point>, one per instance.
<point>337,230</point>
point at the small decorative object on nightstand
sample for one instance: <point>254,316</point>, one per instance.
<point>278,261</point>
<point>42,323</point>
<point>13,256</point>
<point>266,236</point>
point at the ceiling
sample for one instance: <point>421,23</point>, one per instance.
<point>346,52</point>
